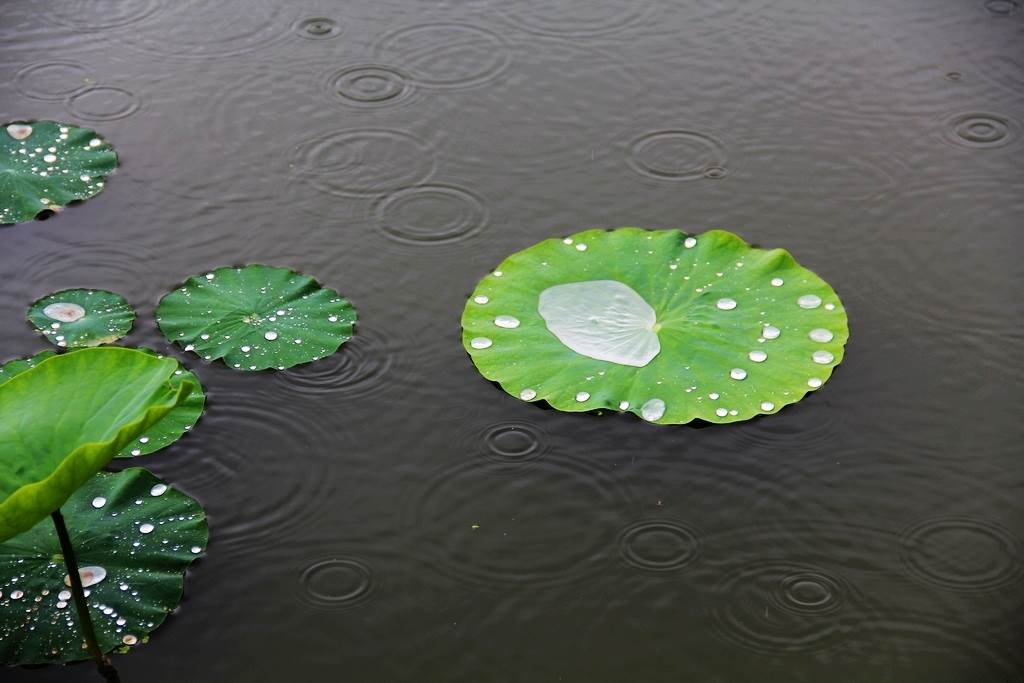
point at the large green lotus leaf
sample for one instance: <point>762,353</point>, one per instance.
<point>658,323</point>
<point>68,416</point>
<point>256,317</point>
<point>82,317</point>
<point>131,529</point>
<point>45,165</point>
<point>160,435</point>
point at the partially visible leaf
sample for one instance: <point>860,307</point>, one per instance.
<point>45,165</point>
<point>82,317</point>
<point>140,533</point>
<point>67,417</point>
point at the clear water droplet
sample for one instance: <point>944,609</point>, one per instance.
<point>778,282</point>
<point>822,357</point>
<point>64,312</point>
<point>270,336</point>
<point>581,247</point>
<point>738,373</point>
<point>820,334</point>
<point>480,343</point>
<point>767,406</point>
<point>90,576</point>
<point>726,304</point>
<point>158,490</point>
<point>507,321</point>
<point>527,394</point>
<point>196,550</point>
<point>721,412</point>
<point>809,301</point>
<point>757,356</point>
<point>814,383</point>
<point>146,529</point>
<point>770,332</point>
<point>690,242</point>
<point>129,639</point>
<point>623,405</point>
<point>481,299</point>
<point>246,349</point>
<point>582,396</point>
<point>64,595</point>
<point>98,502</point>
<point>653,410</point>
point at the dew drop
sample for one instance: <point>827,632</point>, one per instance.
<point>19,131</point>
<point>581,247</point>
<point>713,396</point>
<point>822,357</point>
<point>95,142</point>
<point>158,490</point>
<point>767,406</point>
<point>481,299</point>
<point>64,312</point>
<point>480,343</point>
<point>527,394</point>
<point>84,178</point>
<point>270,336</point>
<point>690,242</point>
<point>98,502</point>
<point>64,595</point>
<point>653,410</point>
<point>820,334</point>
<point>17,595</point>
<point>738,373</point>
<point>757,356</point>
<point>61,604</point>
<point>50,158</point>
<point>814,383</point>
<point>90,576</point>
<point>623,405</point>
<point>143,439</point>
<point>146,529</point>
<point>770,332</point>
<point>778,282</point>
<point>246,349</point>
<point>582,396</point>
<point>210,276</point>
<point>809,301</point>
<point>507,321</point>
<point>196,550</point>
<point>721,412</point>
<point>129,639</point>
<point>726,304</point>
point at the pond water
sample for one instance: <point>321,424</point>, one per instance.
<point>386,514</point>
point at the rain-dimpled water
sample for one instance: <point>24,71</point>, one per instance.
<point>385,513</point>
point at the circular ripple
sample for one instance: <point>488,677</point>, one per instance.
<point>363,366</point>
<point>52,80</point>
<point>188,30</point>
<point>369,85</point>
<point>1002,8</point>
<point>103,103</point>
<point>575,18</point>
<point>93,15</point>
<point>481,527</point>
<point>782,607</point>
<point>978,130</point>
<point>675,155</point>
<point>962,554</point>
<point>513,443</point>
<point>364,162</point>
<point>336,583</point>
<point>431,214</point>
<point>659,545</point>
<point>317,28</point>
<point>447,55</point>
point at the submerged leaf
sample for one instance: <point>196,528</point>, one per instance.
<point>82,317</point>
<point>664,325</point>
<point>68,416</point>
<point>134,536</point>
<point>45,165</point>
<point>256,317</point>
<point>161,434</point>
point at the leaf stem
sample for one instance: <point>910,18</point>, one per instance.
<point>103,664</point>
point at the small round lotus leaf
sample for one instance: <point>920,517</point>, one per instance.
<point>68,416</point>
<point>669,326</point>
<point>256,317</point>
<point>82,317</point>
<point>160,435</point>
<point>131,529</point>
<point>46,165</point>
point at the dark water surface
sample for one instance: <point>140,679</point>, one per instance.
<point>397,151</point>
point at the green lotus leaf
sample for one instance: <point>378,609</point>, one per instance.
<point>134,536</point>
<point>668,326</point>
<point>160,435</point>
<point>46,165</point>
<point>68,416</point>
<point>256,317</point>
<point>82,317</point>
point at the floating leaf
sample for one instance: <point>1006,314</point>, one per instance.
<point>160,435</point>
<point>668,326</point>
<point>133,536</point>
<point>45,165</point>
<point>82,317</point>
<point>66,417</point>
<point>256,317</point>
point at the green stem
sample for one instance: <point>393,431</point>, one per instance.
<point>103,664</point>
